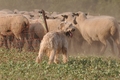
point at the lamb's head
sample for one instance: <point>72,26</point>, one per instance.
<point>67,28</point>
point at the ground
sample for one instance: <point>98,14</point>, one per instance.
<point>22,66</point>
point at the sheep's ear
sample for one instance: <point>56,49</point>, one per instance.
<point>75,14</point>
<point>47,17</point>
<point>40,12</point>
<point>54,17</point>
<point>65,16</point>
<point>74,21</point>
<point>31,15</point>
<point>61,25</point>
<point>86,14</point>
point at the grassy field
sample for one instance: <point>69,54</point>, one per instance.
<point>22,66</point>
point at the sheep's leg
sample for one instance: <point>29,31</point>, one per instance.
<point>112,45</point>
<point>11,38</point>
<point>16,43</point>
<point>20,38</point>
<point>104,45</point>
<point>51,57</point>
<point>103,49</point>
<point>88,50</point>
<point>118,44</point>
<point>22,42</point>
<point>1,43</point>
<point>89,40</point>
<point>37,41</point>
<point>6,45</point>
<point>98,46</point>
<point>116,39</point>
<point>30,47</point>
<point>30,42</point>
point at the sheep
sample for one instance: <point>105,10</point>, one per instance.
<point>100,28</point>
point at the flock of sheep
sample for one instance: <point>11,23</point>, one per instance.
<point>68,32</point>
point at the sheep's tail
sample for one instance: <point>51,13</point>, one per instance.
<point>113,30</point>
<point>26,23</point>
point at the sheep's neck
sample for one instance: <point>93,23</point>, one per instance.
<point>81,19</point>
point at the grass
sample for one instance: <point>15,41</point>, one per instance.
<point>22,66</point>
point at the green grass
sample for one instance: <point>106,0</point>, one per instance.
<point>22,66</point>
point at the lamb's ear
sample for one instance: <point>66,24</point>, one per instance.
<point>61,25</point>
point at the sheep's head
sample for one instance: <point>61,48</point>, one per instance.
<point>67,28</point>
<point>80,16</point>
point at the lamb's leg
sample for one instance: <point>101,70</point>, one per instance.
<point>51,57</point>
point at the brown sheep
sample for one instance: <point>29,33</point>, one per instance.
<point>99,28</point>
<point>55,42</point>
